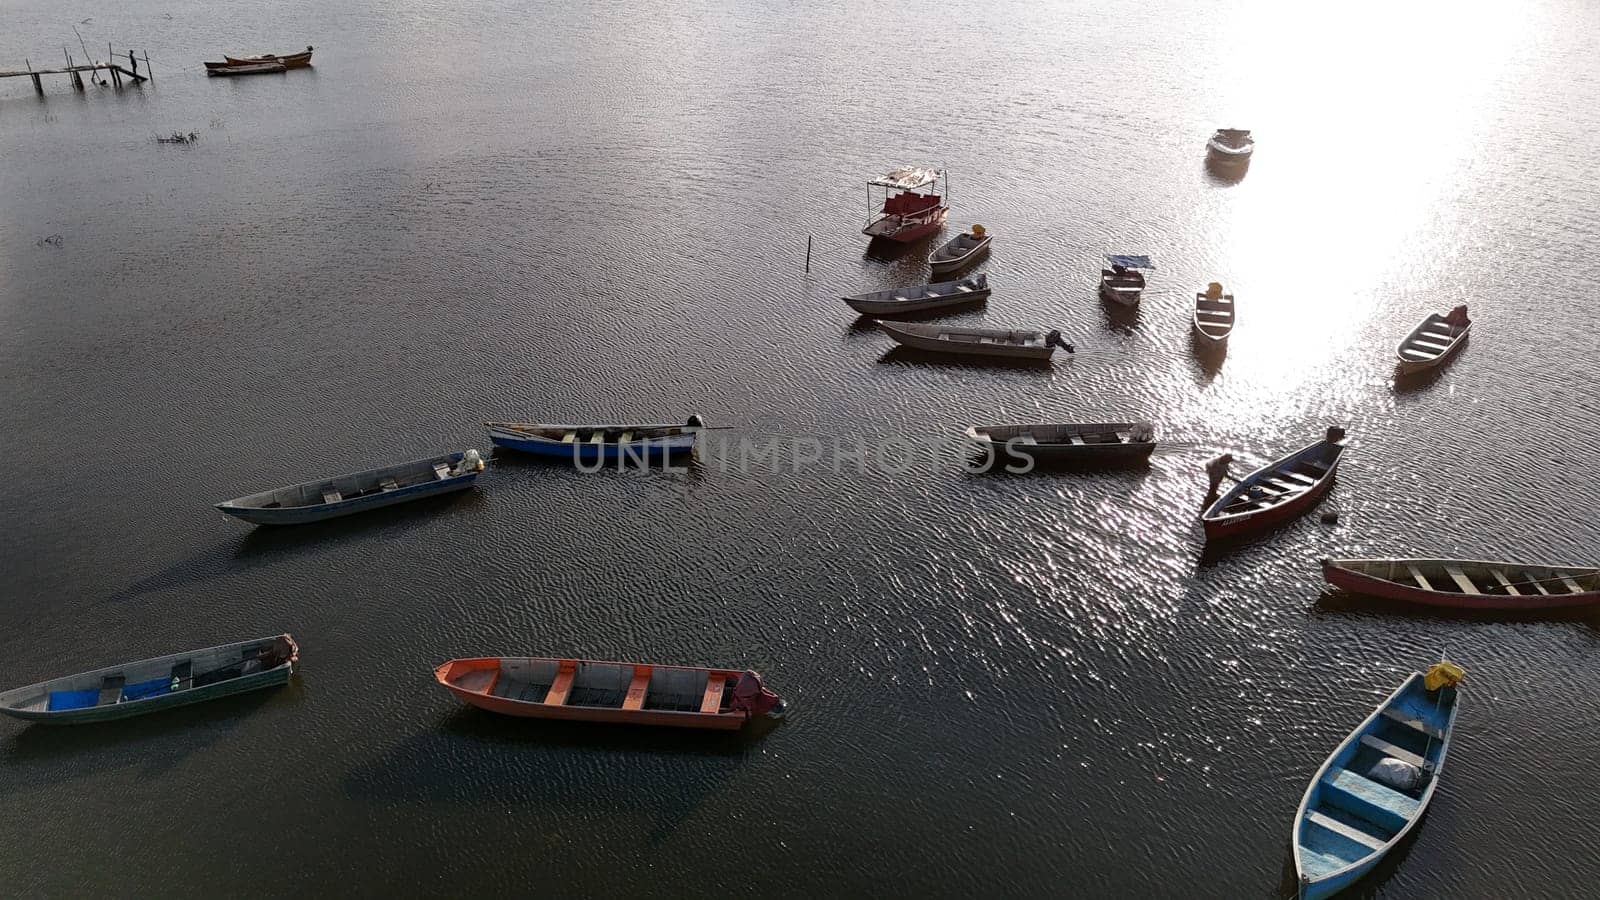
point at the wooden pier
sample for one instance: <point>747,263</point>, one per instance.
<point>74,72</point>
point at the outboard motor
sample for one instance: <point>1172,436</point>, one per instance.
<point>753,697</point>
<point>1053,339</point>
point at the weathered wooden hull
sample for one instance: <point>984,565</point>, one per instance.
<point>928,297</point>
<point>1006,448</point>
<point>1220,525</point>
<point>232,71</point>
<point>1543,596</point>
<point>248,509</point>
<point>1412,366</point>
<point>920,341</point>
<point>292,61</point>
<point>944,264</point>
<point>1347,823</point>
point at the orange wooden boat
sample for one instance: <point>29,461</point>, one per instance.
<point>629,693</point>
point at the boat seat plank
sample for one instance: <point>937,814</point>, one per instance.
<point>1421,581</point>
<point>1505,583</point>
<point>1571,585</point>
<point>562,685</point>
<point>1307,480</point>
<point>1382,804</point>
<point>183,674</point>
<point>1337,827</point>
<point>1461,580</point>
<point>1077,439</point>
<point>569,437</point>
<point>441,470</point>
<point>1537,584</point>
<point>712,701</point>
<point>1418,354</point>
<point>331,495</point>
<point>1393,751</point>
<point>1429,345</point>
<point>110,690</point>
<point>636,688</point>
<point>1416,724</point>
<point>389,484</point>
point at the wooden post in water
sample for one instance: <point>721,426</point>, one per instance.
<point>808,253</point>
<point>149,72</point>
<point>38,86</point>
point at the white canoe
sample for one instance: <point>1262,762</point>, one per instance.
<point>896,301</point>
<point>1213,315</point>
<point>1432,342</point>
<point>959,252</point>
<point>1122,288</point>
<point>996,342</point>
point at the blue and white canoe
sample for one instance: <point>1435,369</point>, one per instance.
<point>330,498</point>
<point>1375,787</point>
<point>597,443</point>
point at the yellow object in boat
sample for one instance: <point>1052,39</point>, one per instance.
<point>1213,290</point>
<point>977,231</point>
<point>1441,674</point>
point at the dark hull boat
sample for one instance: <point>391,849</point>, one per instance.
<point>314,501</point>
<point>597,443</point>
<point>1112,442</point>
<point>1467,584</point>
<point>1278,491</point>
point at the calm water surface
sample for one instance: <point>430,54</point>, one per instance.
<point>1033,684</point>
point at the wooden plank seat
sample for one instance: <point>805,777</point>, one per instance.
<point>183,673</point>
<point>1421,580</point>
<point>1393,751</point>
<point>441,470</point>
<point>562,685</point>
<point>1412,722</point>
<point>331,495</point>
<point>1307,480</point>
<point>389,484</point>
<point>636,688</point>
<point>712,701</point>
<point>1461,580</point>
<point>1371,842</point>
<point>1571,585</point>
<point>110,690</point>
<point>1505,584</point>
<point>1377,803</point>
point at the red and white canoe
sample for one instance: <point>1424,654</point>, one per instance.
<point>1467,584</point>
<point>627,693</point>
<point>1278,491</point>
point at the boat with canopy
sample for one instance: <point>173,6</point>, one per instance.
<point>907,212</point>
<point>1123,283</point>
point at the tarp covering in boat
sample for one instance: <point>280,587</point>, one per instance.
<point>1130,260</point>
<point>73,699</point>
<point>1443,673</point>
<point>907,178</point>
<point>144,689</point>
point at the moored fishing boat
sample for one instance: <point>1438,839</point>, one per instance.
<point>1230,147</point>
<point>329,498</point>
<point>1278,491</point>
<point>907,214</point>
<point>1213,315</point>
<point>151,685</point>
<point>1467,584</point>
<point>622,693</point>
<point>1123,283</point>
<point>231,71</point>
<point>995,342</point>
<point>1067,442</point>
<point>1377,783</point>
<point>289,60</point>
<point>1433,341</point>
<point>960,251</point>
<point>593,443</point>
<point>925,298</point>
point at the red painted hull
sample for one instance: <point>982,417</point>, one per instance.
<point>912,233</point>
<point>1272,516</point>
<point>1359,583</point>
<point>712,721</point>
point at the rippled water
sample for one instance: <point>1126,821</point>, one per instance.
<point>1033,683</point>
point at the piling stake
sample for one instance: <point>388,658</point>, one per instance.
<point>808,253</point>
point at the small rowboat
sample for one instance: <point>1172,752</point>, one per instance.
<point>1230,147</point>
<point>595,443</point>
<point>626,693</point>
<point>1377,784</point>
<point>151,685</point>
<point>960,251</point>
<point>900,301</point>
<point>1278,491</point>
<point>291,60</point>
<point>1434,341</point>
<point>229,71</point>
<point>1213,315</point>
<point>996,342</point>
<point>1467,584</point>
<point>1067,442</point>
<point>1123,283</point>
<point>330,498</point>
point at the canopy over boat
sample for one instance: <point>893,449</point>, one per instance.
<point>1130,260</point>
<point>907,178</point>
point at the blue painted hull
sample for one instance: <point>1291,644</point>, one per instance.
<point>301,515</point>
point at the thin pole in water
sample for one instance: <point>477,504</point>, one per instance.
<point>808,253</point>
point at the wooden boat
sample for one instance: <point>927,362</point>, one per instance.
<point>1434,341</point>
<point>907,214</point>
<point>289,60</point>
<point>1278,491</point>
<point>940,295</point>
<point>1230,147</point>
<point>596,443</point>
<point>330,498</point>
<point>960,251</point>
<point>1376,785</point>
<point>1123,283</point>
<point>998,342</point>
<point>1213,315</point>
<point>1067,442</point>
<point>625,693</point>
<point>1467,584</point>
<point>229,71</point>
<point>151,685</point>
